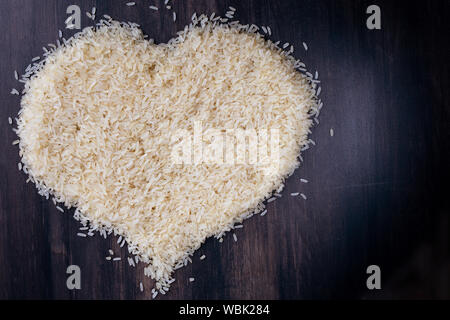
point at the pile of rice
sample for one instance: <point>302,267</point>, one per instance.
<point>97,117</point>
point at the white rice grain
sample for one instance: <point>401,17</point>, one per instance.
<point>114,209</point>
<point>68,20</point>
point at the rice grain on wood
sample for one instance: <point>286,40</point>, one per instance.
<point>96,121</point>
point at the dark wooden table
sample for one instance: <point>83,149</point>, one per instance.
<point>378,188</point>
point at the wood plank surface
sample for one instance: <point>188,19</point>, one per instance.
<point>377,191</point>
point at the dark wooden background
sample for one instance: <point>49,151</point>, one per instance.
<point>377,191</point>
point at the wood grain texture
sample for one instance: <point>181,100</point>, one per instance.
<point>377,190</point>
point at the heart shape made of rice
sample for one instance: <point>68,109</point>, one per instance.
<point>99,116</point>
